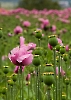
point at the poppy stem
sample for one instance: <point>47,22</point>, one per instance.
<point>48,94</point>
<point>21,84</point>
<point>59,77</point>
<point>55,85</point>
<point>66,92</point>
<point>61,80</point>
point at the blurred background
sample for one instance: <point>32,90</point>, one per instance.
<point>35,4</point>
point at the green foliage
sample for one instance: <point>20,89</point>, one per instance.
<point>39,4</point>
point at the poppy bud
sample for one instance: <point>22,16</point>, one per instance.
<point>28,77</point>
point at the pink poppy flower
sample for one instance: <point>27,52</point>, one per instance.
<point>18,30</point>
<point>21,56</point>
<point>26,24</point>
<point>28,77</point>
<point>44,24</point>
<point>53,29</point>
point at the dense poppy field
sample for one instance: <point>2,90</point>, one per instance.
<point>35,54</point>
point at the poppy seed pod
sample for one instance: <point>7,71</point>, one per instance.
<point>6,69</point>
<point>48,68</point>
<point>67,81</point>
<point>38,51</point>
<point>38,34</point>
<point>57,47</point>
<point>62,50</point>
<point>10,82</point>
<point>65,57</point>
<point>48,78</point>
<point>36,60</point>
<point>4,90</point>
<point>14,77</point>
<point>53,40</point>
<point>63,96</point>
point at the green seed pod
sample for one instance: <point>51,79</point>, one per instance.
<point>63,97</point>
<point>67,81</point>
<point>57,47</point>
<point>48,78</point>
<point>36,60</point>
<point>65,57</point>
<point>4,90</point>
<point>53,40</point>
<point>6,69</point>
<point>62,50</point>
<point>48,68</point>
<point>10,82</point>
<point>38,34</point>
<point>14,77</point>
<point>38,51</point>
<point>31,70</point>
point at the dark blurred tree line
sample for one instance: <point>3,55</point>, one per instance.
<point>39,4</point>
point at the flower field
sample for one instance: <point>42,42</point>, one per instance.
<point>35,54</point>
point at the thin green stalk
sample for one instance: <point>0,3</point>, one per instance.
<point>6,84</point>
<point>8,91</point>
<point>37,84</point>
<point>55,86</point>
<point>66,68</point>
<point>61,81</point>
<point>66,92</point>
<point>39,43</point>
<point>11,89</point>
<point>22,75</point>
<point>48,94</point>
<point>14,91</point>
<point>59,78</point>
<point>70,90</point>
<point>28,91</point>
<point>31,85</point>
